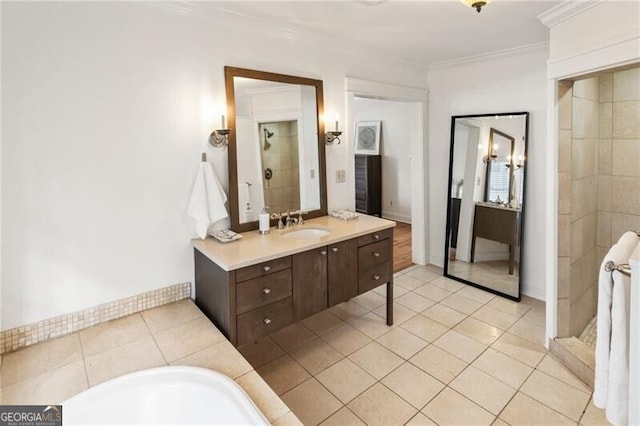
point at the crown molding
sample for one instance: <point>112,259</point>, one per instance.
<point>543,45</point>
<point>566,10</point>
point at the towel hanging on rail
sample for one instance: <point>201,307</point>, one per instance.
<point>206,205</point>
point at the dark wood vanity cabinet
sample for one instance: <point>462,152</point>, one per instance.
<point>251,302</point>
<point>368,174</point>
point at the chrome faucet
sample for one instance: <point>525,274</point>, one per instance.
<point>290,220</point>
<point>278,216</point>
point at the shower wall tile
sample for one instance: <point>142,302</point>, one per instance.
<point>626,85</point>
<point>584,123</point>
<point>621,223</point>
<point>565,96</point>
<point>577,240</point>
<point>564,188</point>
<point>604,229</point>
<point>626,122</point>
<point>564,319</point>
<point>564,276</point>
<point>626,157</point>
<point>582,311</point>
<point>590,195</point>
<point>606,87</point>
<point>601,252</point>
<point>564,235</point>
<point>587,88</point>
<point>589,230</point>
<point>564,151</point>
<point>604,193</point>
<point>604,157</point>
<point>577,199</point>
<point>577,276</point>
<point>625,195</point>
<point>605,119</point>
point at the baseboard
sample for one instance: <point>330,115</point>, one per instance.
<point>396,216</point>
<point>21,337</point>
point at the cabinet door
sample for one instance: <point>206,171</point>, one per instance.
<point>309,282</point>
<point>343,271</point>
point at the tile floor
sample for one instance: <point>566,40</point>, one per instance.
<point>455,355</point>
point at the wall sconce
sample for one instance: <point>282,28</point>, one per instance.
<point>489,158</point>
<point>331,136</point>
<point>220,137</point>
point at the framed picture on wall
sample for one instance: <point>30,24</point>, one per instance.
<point>368,137</point>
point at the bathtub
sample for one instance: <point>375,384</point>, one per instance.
<point>165,395</point>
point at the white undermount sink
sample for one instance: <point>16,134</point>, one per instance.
<point>306,233</point>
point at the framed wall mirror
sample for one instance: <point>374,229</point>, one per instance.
<point>276,152</point>
<point>486,201</point>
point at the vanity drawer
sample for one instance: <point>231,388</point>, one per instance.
<point>264,268</point>
<point>374,254</point>
<point>375,236</point>
<point>261,291</point>
<point>262,321</point>
<point>374,277</point>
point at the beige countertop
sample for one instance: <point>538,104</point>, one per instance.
<point>255,248</point>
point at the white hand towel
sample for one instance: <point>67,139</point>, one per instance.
<point>609,323</point>
<point>206,205</point>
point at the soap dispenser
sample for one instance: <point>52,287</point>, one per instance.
<point>263,219</point>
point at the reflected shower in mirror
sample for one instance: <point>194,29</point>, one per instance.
<point>486,201</point>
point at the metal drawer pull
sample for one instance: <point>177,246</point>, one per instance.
<point>376,254</point>
<point>266,290</point>
<point>334,249</point>
<point>376,277</point>
<point>323,252</point>
<point>376,236</point>
<point>267,321</point>
<point>266,268</point>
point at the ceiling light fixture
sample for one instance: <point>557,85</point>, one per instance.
<point>477,4</point>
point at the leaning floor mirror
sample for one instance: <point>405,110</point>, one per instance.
<point>486,201</point>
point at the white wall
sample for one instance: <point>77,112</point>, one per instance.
<point>501,84</point>
<point>105,110</point>
<point>395,148</point>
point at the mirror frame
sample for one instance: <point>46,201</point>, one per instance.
<point>522,210</point>
<point>229,74</point>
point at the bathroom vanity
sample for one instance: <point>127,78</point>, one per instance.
<point>261,283</point>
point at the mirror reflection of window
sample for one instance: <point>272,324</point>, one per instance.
<point>499,173</point>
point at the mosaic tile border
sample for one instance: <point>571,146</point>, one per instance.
<point>21,337</point>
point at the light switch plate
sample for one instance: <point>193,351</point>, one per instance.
<point>341,176</point>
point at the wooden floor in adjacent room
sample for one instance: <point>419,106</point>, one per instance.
<point>401,246</point>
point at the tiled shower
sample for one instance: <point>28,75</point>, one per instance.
<point>599,186</point>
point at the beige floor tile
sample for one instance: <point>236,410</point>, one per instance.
<point>459,345</point>
<point>499,422</point>
<point>415,302</point>
<point>448,284</point>
<point>345,380</point>
<point>261,352</point>
<point>451,408</point>
<point>537,314</point>
<point>343,417</point>
<point>462,304</point>
<point>171,315</point>
<point>479,331</point>
<point>187,338</point>
<point>348,310</point>
<point>51,387</point>
<point>397,290</point>
<point>561,397</point>
<point>376,360</point>
<point>520,349</point>
<point>529,331</point>
<point>483,389</point>
<point>263,396</point>
<point>316,355</point>
<point>370,300</point>
<point>517,309</point>
<point>444,315</point>
<point>380,406</point>
<point>593,416</point>
<point>438,363</point>
<point>413,385</point>
<point>476,294</point>
<point>402,342</point>
<point>221,356</point>
<point>283,374</point>
<point>523,410</point>
<point>425,328</point>
<point>553,368</point>
<point>322,322</point>
<point>311,402</point>
<point>432,292</point>
<point>346,339</point>
<point>495,317</point>
<point>503,367</point>
<point>109,335</point>
<point>421,420</point>
<point>371,324</point>
<point>292,336</point>
<point>401,314</point>
<point>39,359</point>
<point>288,419</point>
<point>423,274</point>
<point>408,281</point>
<point>124,359</point>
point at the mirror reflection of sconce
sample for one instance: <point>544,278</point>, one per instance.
<point>220,137</point>
<point>332,136</point>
